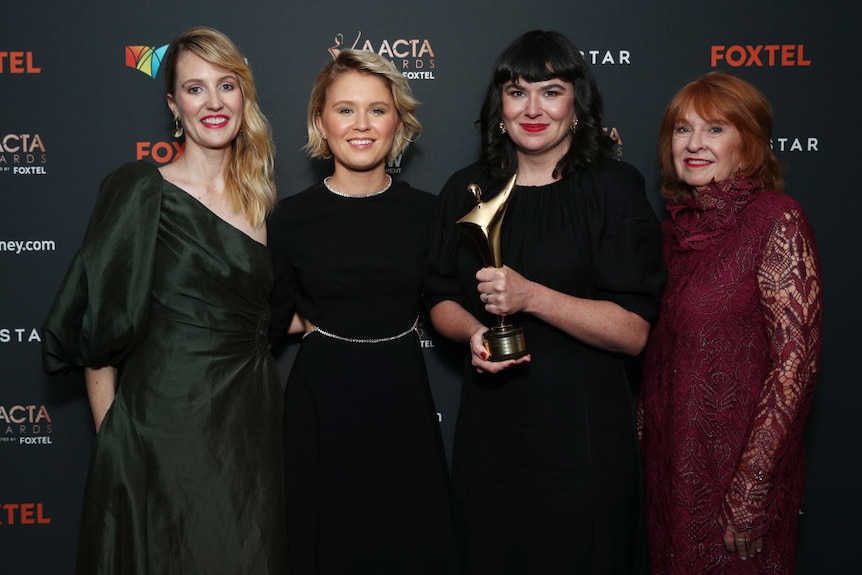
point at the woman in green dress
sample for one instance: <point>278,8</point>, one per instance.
<point>165,307</point>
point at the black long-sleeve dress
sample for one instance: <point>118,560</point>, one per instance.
<point>546,472</point>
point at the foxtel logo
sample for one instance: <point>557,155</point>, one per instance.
<point>145,59</point>
<point>768,55</point>
<point>23,514</point>
<point>18,63</point>
<point>161,152</point>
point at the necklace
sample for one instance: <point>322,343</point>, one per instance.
<point>343,195</point>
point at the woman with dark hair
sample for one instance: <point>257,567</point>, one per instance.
<point>165,307</point>
<point>367,484</point>
<point>731,367</point>
<point>546,469</point>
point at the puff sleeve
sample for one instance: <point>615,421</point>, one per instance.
<point>628,266</point>
<point>100,310</point>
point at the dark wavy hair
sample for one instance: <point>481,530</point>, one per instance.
<point>538,56</point>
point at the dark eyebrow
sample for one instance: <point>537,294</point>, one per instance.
<point>519,86</point>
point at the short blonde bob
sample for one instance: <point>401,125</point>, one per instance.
<point>367,63</point>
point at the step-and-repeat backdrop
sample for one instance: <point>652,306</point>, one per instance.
<point>82,91</point>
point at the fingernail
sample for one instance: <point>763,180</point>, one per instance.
<point>484,355</point>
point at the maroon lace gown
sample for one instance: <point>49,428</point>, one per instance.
<point>730,371</point>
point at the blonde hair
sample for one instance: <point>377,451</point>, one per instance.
<point>251,173</point>
<point>367,63</point>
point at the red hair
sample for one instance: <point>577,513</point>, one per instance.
<point>719,96</point>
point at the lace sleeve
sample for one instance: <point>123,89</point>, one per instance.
<point>791,299</point>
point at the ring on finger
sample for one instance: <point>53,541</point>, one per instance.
<point>484,298</point>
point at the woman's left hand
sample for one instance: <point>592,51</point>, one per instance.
<point>480,359</point>
<point>503,290</point>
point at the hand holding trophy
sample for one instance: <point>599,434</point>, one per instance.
<point>483,224</point>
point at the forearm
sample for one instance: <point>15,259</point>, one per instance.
<point>776,427</point>
<point>600,323</point>
<point>791,298</point>
<point>779,418</point>
<point>101,391</point>
<point>454,322</point>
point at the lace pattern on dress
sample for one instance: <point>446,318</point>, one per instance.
<point>730,372</point>
<point>703,221</point>
<point>789,281</point>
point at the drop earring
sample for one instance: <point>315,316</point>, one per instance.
<point>502,128</point>
<point>574,124</point>
<point>178,128</point>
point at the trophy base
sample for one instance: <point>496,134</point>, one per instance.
<point>505,342</point>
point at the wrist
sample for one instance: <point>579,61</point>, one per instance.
<point>477,329</point>
<point>532,298</point>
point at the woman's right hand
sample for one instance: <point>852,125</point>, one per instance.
<point>479,355</point>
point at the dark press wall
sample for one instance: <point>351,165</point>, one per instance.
<point>81,92</point>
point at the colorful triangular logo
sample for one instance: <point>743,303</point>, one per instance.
<point>145,59</point>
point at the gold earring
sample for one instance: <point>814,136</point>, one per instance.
<point>574,124</point>
<point>178,128</point>
<point>502,128</point>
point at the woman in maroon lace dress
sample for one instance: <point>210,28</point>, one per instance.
<point>732,364</point>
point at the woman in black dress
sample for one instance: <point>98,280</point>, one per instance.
<point>366,476</point>
<point>545,469</point>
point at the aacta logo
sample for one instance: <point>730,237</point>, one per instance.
<point>22,154</point>
<point>23,514</point>
<point>617,139</point>
<point>145,59</point>
<point>425,336</point>
<point>160,152</point>
<point>18,63</point>
<point>414,57</point>
<point>28,420</point>
<point>768,55</point>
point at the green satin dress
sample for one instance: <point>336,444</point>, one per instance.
<point>187,475</point>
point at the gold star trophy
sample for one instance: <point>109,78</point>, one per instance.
<point>483,224</point>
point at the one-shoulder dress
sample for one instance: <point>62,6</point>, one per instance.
<point>186,476</point>
<point>367,486</point>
